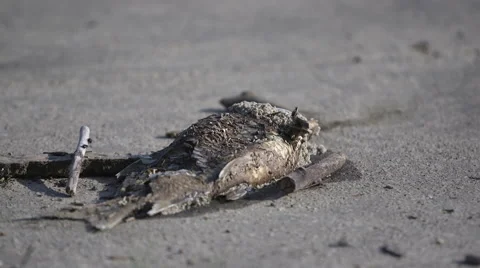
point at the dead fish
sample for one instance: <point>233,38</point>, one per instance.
<point>223,155</point>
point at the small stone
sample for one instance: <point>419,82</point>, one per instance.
<point>411,217</point>
<point>448,210</point>
<point>421,47</point>
<point>227,231</point>
<point>460,35</point>
<point>91,24</point>
<point>356,59</point>
<point>39,194</point>
<point>342,243</point>
<point>388,187</point>
<point>439,241</point>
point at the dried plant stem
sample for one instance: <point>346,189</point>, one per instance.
<point>76,167</point>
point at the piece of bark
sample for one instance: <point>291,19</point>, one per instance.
<point>76,166</point>
<point>55,165</point>
<point>314,173</point>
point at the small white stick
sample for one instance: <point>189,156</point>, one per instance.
<point>76,166</point>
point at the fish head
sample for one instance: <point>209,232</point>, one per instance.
<point>303,127</point>
<point>291,124</point>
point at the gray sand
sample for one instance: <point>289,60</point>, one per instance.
<point>131,70</point>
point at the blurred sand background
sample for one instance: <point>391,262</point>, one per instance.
<point>132,70</point>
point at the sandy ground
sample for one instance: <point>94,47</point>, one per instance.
<point>133,69</point>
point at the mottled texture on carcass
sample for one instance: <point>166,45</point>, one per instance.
<point>221,155</point>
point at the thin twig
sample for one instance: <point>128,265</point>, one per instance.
<point>78,156</point>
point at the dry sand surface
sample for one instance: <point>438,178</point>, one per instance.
<point>132,70</point>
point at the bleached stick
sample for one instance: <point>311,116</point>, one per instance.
<point>78,156</point>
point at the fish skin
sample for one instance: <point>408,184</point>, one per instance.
<point>250,146</point>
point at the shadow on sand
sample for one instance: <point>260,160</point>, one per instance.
<point>272,192</point>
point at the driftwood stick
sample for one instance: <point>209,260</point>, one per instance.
<point>78,156</point>
<point>57,164</point>
<point>313,174</point>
